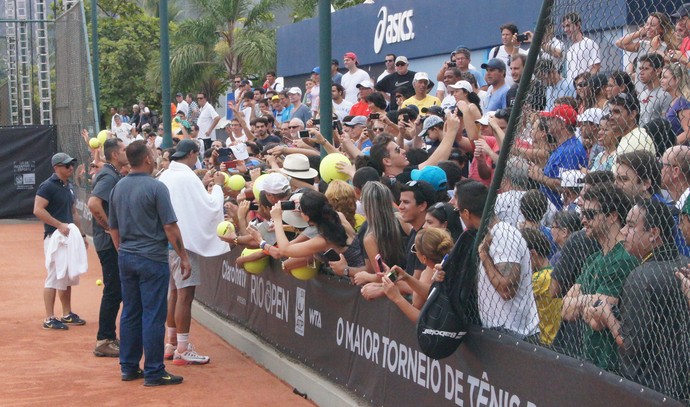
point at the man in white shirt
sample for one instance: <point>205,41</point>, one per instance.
<point>207,121</point>
<point>182,105</point>
<point>122,130</point>
<point>341,107</point>
<point>352,77</point>
<point>390,67</point>
<point>509,48</point>
<point>583,53</point>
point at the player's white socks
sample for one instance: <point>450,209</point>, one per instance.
<point>182,342</point>
<point>172,334</point>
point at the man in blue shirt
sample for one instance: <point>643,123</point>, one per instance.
<point>496,78</point>
<point>142,222</point>
<point>569,155</point>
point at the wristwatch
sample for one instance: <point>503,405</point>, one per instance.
<point>346,271</point>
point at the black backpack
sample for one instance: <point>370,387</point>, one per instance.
<point>445,317</point>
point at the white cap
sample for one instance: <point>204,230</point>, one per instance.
<point>484,120</point>
<point>461,85</point>
<point>592,115</point>
<point>572,179</point>
<point>365,84</point>
<point>294,91</point>
<point>421,76</point>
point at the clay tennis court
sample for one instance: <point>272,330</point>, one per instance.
<point>58,368</point>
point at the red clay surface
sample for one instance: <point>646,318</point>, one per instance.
<point>57,368</point>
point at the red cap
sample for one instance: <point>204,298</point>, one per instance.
<point>563,112</point>
<point>350,55</point>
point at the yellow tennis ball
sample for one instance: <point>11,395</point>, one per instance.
<point>94,143</point>
<point>102,136</point>
<point>224,228</point>
<point>226,183</point>
<point>235,182</point>
<point>304,273</point>
<point>99,282</point>
<point>327,168</point>
<point>257,184</point>
<point>256,266</point>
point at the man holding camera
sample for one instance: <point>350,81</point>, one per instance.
<point>198,213</point>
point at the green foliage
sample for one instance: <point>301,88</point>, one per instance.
<point>128,43</point>
<point>305,9</point>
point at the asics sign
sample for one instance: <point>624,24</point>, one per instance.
<point>393,28</point>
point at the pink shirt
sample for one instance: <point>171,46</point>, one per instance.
<point>474,172</point>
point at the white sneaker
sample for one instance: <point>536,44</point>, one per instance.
<point>169,351</point>
<point>189,357</point>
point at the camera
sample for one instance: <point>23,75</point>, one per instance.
<point>406,117</point>
<point>522,37</point>
<point>452,64</point>
<point>304,133</point>
<point>253,206</point>
<point>337,125</point>
<point>374,116</point>
<point>315,122</point>
<point>331,255</point>
<point>225,154</point>
<point>288,205</point>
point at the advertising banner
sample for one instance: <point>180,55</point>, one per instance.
<point>370,347</point>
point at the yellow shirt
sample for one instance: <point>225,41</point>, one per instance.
<point>428,101</point>
<point>549,309</point>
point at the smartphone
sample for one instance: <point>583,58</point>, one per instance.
<point>253,206</point>
<point>374,116</point>
<point>288,205</point>
<point>522,37</point>
<point>304,134</point>
<point>392,275</point>
<point>379,263</point>
<point>315,122</point>
<point>331,255</point>
<point>406,117</point>
<point>337,125</point>
<point>231,164</point>
<point>224,155</point>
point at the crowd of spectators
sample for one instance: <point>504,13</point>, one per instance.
<point>586,244</point>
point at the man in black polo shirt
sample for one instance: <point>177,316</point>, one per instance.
<point>401,78</point>
<point>106,338</point>
<point>55,206</point>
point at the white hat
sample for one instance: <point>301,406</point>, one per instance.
<point>484,120</point>
<point>461,85</point>
<point>592,115</point>
<point>429,122</point>
<point>365,84</point>
<point>401,59</point>
<point>421,76</point>
<point>275,184</point>
<point>295,90</point>
<point>294,217</point>
<point>572,179</point>
<point>240,151</point>
<point>297,165</point>
<point>222,123</point>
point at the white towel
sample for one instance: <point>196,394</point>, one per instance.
<point>67,254</point>
<point>198,212</point>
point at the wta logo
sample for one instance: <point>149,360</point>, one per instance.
<point>393,28</point>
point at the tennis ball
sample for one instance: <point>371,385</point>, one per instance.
<point>235,182</point>
<point>257,186</point>
<point>102,136</point>
<point>327,168</point>
<point>256,266</point>
<point>224,228</point>
<point>99,282</point>
<point>304,273</point>
<point>94,143</point>
<point>226,183</point>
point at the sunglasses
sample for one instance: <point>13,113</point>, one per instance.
<point>390,60</point>
<point>378,129</point>
<point>200,97</point>
<point>413,249</point>
<point>293,127</point>
<point>590,214</point>
<point>400,64</point>
<point>581,84</point>
<point>68,165</point>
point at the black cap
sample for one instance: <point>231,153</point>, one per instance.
<point>421,189</point>
<point>435,110</point>
<point>627,100</point>
<point>185,147</point>
<point>335,62</point>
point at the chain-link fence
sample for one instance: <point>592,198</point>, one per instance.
<point>584,251</point>
<point>74,96</point>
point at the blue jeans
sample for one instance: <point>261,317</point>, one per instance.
<point>144,308</point>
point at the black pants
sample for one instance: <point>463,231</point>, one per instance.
<point>112,294</point>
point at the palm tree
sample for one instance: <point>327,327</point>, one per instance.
<point>243,25</point>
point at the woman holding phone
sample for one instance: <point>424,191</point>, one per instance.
<point>328,231</point>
